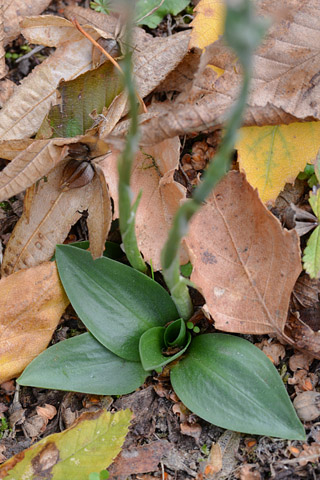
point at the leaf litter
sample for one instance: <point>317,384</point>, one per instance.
<point>157,59</point>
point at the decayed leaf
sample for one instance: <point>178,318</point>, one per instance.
<point>272,156</point>
<point>311,257</point>
<point>87,446</point>
<point>243,262</point>
<point>278,95</point>
<point>208,23</point>
<point>152,173</point>
<point>48,216</point>
<point>31,304</point>
<point>15,10</point>
<point>222,460</point>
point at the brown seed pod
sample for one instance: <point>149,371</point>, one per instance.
<point>79,151</point>
<point>307,405</point>
<point>76,174</point>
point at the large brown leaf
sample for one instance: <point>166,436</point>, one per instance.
<point>152,174</point>
<point>31,304</point>
<point>48,216</point>
<point>284,87</point>
<point>244,263</point>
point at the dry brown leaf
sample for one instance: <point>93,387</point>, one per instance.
<point>34,162</point>
<point>275,351</point>
<point>144,458</point>
<point>23,113</point>
<point>306,292</point>
<point>300,361</point>
<point>100,213</point>
<point>244,263</point>
<point>31,304</point>
<point>283,88</point>
<point>2,50</point>
<point>152,173</point>
<point>6,90</point>
<point>304,337</point>
<point>15,10</point>
<point>47,219</point>
<point>10,149</point>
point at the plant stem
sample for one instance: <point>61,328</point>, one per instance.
<point>127,210</point>
<point>243,32</point>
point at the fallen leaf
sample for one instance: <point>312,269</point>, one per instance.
<point>47,411</point>
<point>307,405</point>
<point>15,10</point>
<point>300,361</point>
<point>304,337</point>
<point>31,304</point>
<point>311,254</point>
<point>87,446</point>
<point>6,90</point>
<point>249,472</point>
<point>141,459</point>
<point>272,156</point>
<point>310,453</point>
<point>244,264</point>
<point>306,291</point>
<point>153,174</point>
<point>275,351</point>
<point>208,23</point>
<point>3,68</point>
<point>222,458</point>
<point>48,218</point>
<point>23,113</point>
<point>279,95</point>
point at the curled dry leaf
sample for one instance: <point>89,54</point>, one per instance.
<point>307,405</point>
<point>31,304</point>
<point>15,10</point>
<point>244,263</point>
<point>304,337</point>
<point>153,173</point>
<point>49,213</point>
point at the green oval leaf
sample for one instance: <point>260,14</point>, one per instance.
<point>82,364</point>
<point>231,383</point>
<point>151,346</point>
<point>115,302</point>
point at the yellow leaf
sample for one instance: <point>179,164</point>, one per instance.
<point>90,445</point>
<point>208,24</point>
<point>31,304</point>
<point>272,156</point>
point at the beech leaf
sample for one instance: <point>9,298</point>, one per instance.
<point>31,304</point>
<point>153,174</point>
<point>272,156</point>
<point>90,444</point>
<point>244,263</point>
<point>208,23</point>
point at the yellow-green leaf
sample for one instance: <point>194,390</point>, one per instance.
<point>90,445</point>
<point>272,156</point>
<point>311,257</point>
<point>208,24</point>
